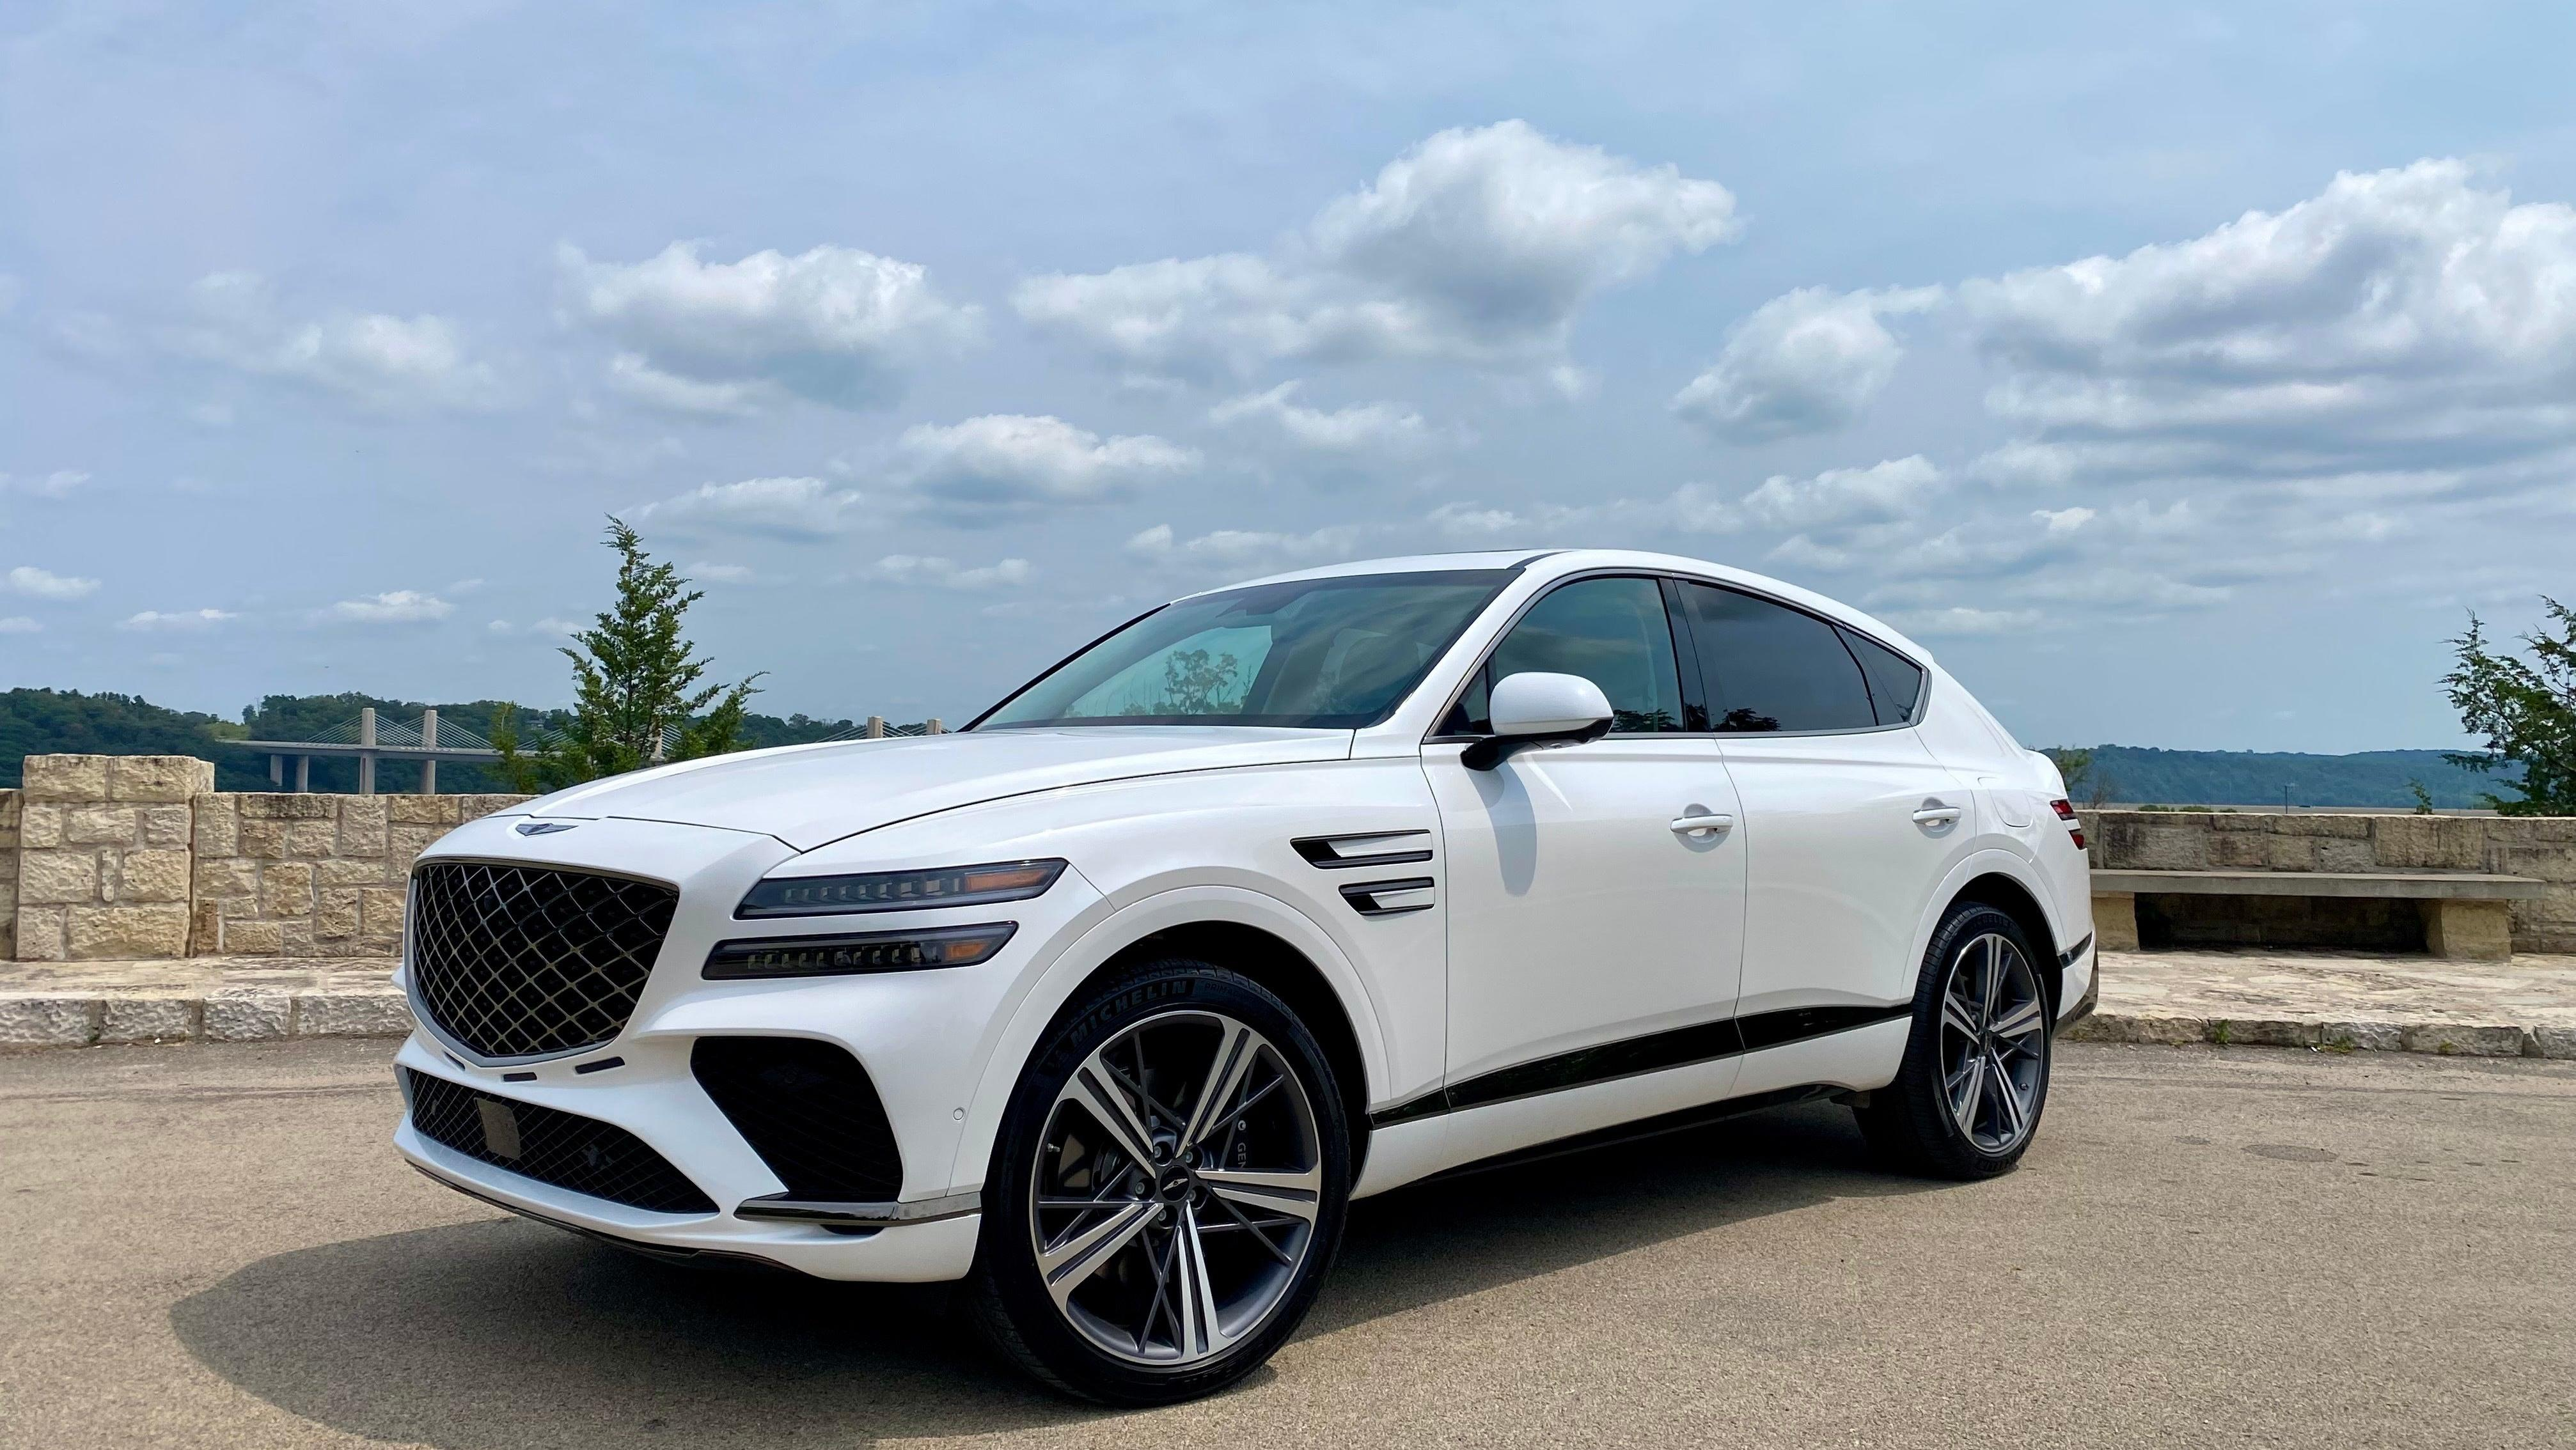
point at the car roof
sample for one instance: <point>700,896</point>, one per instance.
<point>1555,563</point>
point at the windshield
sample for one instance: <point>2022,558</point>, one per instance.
<point>1321,653</point>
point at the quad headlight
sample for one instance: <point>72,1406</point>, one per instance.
<point>900,890</point>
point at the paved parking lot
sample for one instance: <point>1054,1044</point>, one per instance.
<point>213,1245</point>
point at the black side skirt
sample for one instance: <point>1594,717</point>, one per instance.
<point>1634,1056</point>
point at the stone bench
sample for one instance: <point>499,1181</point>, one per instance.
<point>2466,916</point>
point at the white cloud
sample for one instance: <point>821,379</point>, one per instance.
<point>2065,520</point>
<point>1006,462</point>
<point>2395,316</point>
<point>832,324</point>
<point>41,584</point>
<point>1893,489</point>
<point>779,508</point>
<point>1479,245</point>
<point>398,606</point>
<point>1961,620</point>
<point>178,619</point>
<point>1362,432</point>
<point>61,483</point>
<point>1806,362</point>
<point>938,573</point>
<point>375,359</point>
<point>721,573</point>
<point>19,624</point>
<point>1246,552</point>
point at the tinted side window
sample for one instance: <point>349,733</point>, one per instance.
<point>1895,682</point>
<point>1610,631</point>
<point>1768,667</point>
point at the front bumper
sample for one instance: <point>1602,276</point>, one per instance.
<point>920,1250</point>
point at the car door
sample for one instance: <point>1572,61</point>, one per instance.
<point>1589,938</point>
<point>1850,824</point>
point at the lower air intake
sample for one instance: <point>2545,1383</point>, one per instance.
<point>582,1155</point>
<point>808,1109</point>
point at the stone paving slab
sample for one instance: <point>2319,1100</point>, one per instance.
<point>2326,1000</point>
<point>2339,1001</point>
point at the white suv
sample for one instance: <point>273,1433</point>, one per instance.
<point>1274,897</point>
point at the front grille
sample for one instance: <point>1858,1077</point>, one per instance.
<point>808,1109</point>
<point>567,1150</point>
<point>528,961</point>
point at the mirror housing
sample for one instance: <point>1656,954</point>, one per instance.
<point>1538,708</point>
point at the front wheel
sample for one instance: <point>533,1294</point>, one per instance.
<point>1167,1189</point>
<point>1975,1078</point>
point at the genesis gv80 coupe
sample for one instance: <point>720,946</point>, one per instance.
<point>1275,897</point>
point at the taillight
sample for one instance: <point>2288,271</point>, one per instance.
<point>2066,812</point>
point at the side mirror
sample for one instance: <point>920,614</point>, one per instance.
<point>1536,708</point>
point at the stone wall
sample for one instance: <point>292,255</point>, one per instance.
<point>111,857</point>
<point>2536,846</point>
<point>314,875</point>
<point>103,855</point>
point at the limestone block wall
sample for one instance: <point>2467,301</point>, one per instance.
<point>314,875</point>
<point>103,855</point>
<point>8,875</point>
<point>2538,846</point>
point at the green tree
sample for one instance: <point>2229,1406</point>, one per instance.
<point>2526,709</point>
<point>2085,780</point>
<point>637,699</point>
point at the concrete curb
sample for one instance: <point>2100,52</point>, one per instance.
<point>2443,1039</point>
<point>92,1019</point>
<point>31,1020</point>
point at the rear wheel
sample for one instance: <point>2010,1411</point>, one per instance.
<point>1166,1192</point>
<point>1975,1078</point>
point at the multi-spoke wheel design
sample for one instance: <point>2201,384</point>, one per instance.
<point>1176,1188</point>
<point>1994,1042</point>
<point>1974,1080</point>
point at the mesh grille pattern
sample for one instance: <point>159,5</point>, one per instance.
<point>808,1109</point>
<point>522,961</point>
<point>550,1146</point>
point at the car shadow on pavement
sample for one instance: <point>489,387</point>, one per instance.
<point>505,1333</point>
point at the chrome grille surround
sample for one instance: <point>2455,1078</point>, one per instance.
<point>513,962</point>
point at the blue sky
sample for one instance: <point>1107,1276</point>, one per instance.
<point>2179,377</point>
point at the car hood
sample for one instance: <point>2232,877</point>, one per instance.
<point>807,795</point>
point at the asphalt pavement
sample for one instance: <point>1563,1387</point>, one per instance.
<point>215,1245</point>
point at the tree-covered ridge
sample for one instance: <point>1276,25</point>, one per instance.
<point>67,722</point>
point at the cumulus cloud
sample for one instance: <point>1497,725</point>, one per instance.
<point>1246,552</point>
<point>1006,463</point>
<point>178,619</point>
<point>375,359</point>
<point>397,606</point>
<point>835,325</point>
<point>38,583</point>
<point>794,509</point>
<point>937,573</point>
<point>1806,362</point>
<point>1894,489</point>
<point>2395,317</point>
<point>1479,245</point>
<point>1364,432</point>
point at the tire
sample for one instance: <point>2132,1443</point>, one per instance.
<point>1097,1264</point>
<point>1983,1016</point>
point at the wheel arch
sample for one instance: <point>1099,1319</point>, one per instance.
<point>1258,935</point>
<point>2015,899</point>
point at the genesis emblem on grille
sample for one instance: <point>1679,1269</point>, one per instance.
<point>545,828</point>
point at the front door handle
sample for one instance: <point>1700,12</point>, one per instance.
<point>1695,825</point>
<point>1937,814</point>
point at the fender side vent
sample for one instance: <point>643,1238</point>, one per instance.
<point>1389,898</point>
<point>808,1109</point>
<point>1367,848</point>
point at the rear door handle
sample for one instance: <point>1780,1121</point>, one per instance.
<point>1937,815</point>
<point>1695,825</point>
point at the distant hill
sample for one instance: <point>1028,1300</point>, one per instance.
<point>67,722</point>
<point>2148,776</point>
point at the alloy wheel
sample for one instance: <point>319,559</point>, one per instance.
<point>1994,1043</point>
<point>1176,1188</point>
